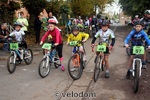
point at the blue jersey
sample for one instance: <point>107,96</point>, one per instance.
<point>137,38</point>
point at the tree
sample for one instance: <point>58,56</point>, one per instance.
<point>134,7</point>
<point>7,10</point>
<point>34,8</point>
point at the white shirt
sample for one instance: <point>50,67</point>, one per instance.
<point>18,34</point>
<point>104,37</point>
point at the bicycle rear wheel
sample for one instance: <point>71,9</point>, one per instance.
<point>44,67</point>
<point>75,68</point>
<point>98,63</point>
<point>136,76</point>
<point>28,56</point>
<point>11,63</point>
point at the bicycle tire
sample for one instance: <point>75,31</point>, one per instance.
<point>69,69</point>
<point>13,64</point>
<point>27,61</point>
<point>97,68</point>
<point>136,76</point>
<point>47,70</point>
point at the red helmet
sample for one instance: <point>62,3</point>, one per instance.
<point>52,21</point>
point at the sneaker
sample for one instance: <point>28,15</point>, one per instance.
<point>62,68</point>
<point>128,74</point>
<point>73,69</point>
<point>107,75</point>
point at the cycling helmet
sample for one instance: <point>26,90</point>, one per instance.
<point>17,24</point>
<point>52,21</point>
<point>136,16</point>
<point>138,23</point>
<point>75,28</point>
<point>147,12</point>
<point>105,23</point>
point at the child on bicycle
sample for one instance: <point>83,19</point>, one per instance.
<point>19,36</point>
<point>76,35</point>
<point>105,35</point>
<point>56,38</point>
<point>136,36</point>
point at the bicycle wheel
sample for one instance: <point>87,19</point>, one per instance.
<point>75,67</point>
<point>28,56</point>
<point>128,51</point>
<point>98,63</point>
<point>136,76</point>
<point>11,63</point>
<point>56,61</point>
<point>44,68</point>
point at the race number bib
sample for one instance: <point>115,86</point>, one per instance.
<point>73,43</point>
<point>14,46</point>
<point>101,48</point>
<point>46,46</point>
<point>138,50</point>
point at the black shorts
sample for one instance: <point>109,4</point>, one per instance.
<point>107,51</point>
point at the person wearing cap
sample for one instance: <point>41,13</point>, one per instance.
<point>54,32</point>
<point>136,36</point>
<point>105,35</point>
<point>76,35</point>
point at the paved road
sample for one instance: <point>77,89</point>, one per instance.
<point>26,84</point>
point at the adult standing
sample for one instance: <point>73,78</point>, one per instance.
<point>37,28</point>
<point>24,22</point>
<point>50,16</point>
<point>3,33</point>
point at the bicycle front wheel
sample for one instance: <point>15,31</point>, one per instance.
<point>136,76</point>
<point>11,63</point>
<point>98,63</point>
<point>28,56</point>
<point>75,67</point>
<point>44,68</point>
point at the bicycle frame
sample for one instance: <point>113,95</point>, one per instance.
<point>133,66</point>
<point>15,56</point>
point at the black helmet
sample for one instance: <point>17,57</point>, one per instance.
<point>75,28</point>
<point>138,23</point>
<point>105,23</point>
<point>17,24</point>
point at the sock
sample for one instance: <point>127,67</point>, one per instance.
<point>107,71</point>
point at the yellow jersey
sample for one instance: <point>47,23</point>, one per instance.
<point>79,37</point>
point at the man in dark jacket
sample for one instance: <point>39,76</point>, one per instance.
<point>37,28</point>
<point>3,33</point>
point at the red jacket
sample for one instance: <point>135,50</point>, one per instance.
<point>56,36</point>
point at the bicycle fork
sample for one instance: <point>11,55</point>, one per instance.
<point>133,66</point>
<point>15,56</point>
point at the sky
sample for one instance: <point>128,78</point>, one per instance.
<point>114,8</point>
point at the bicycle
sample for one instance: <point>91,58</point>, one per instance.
<point>99,66</point>
<point>76,62</point>
<point>50,56</point>
<point>137,66</point>
<point>16,58</point>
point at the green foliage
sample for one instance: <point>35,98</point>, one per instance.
<point>7,10</point>
<point>34,7</point>
<point>134,7</point>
